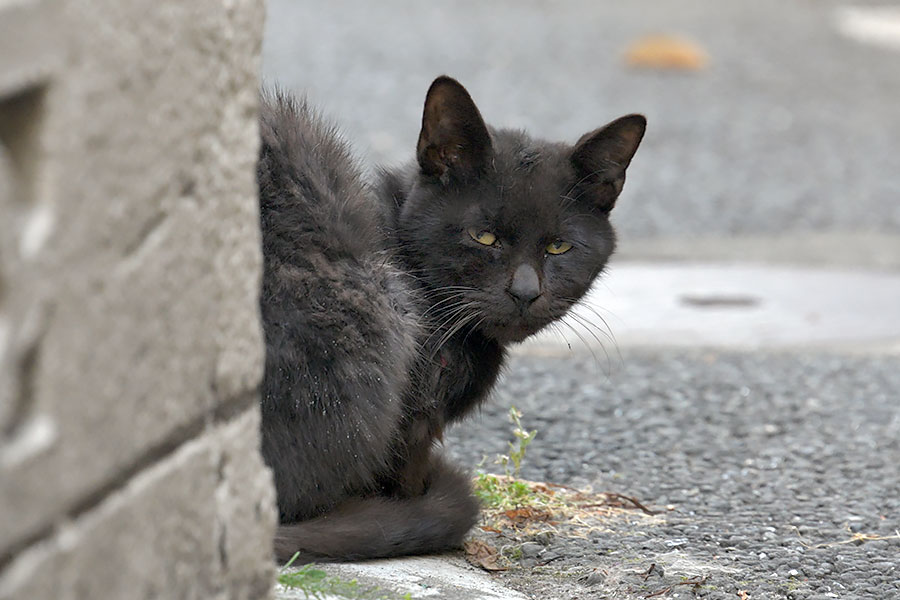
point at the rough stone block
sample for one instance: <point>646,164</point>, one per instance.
<point>196,525</point>
<point>140,293</point>
<point>29,44</point>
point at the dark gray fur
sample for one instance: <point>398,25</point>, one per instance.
<point>385,320</point>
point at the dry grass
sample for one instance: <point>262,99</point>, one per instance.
<point>517,510</point>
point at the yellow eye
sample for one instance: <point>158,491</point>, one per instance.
<point>483,237</point>
<point>558,247</point>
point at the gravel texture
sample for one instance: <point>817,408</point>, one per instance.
<point>792,127</point>
<point>765,468</point>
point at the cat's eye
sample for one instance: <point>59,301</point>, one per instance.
<point>558,247</point>
<point>482,237</point>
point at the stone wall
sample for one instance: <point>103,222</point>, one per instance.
<point>130,344</point>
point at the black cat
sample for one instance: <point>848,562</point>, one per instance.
<point>386,310</point>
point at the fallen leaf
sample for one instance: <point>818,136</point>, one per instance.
<point>490,529</point>
<point>542,489</point>
<point>666,52</point>
<point>520,516</point>
<point>482,555</point>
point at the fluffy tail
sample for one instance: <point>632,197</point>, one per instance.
<point>380,527</point>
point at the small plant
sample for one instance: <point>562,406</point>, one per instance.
<point>516,450</point>
<point>317,584</point>
<point>502,492</point>
<point>508,492</point>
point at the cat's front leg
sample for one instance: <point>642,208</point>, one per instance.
<point>412,472</point>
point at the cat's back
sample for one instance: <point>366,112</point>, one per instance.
<point>337,315</point>
<point>328,274</point>
<point>312,192</point>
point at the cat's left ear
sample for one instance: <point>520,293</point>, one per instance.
<point>601,157</point>
<point>454,140</point>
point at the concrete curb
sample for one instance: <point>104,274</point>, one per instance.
<point>434,577</point>
<point>733,306</point>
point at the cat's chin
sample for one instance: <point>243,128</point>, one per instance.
<point>511,333</point>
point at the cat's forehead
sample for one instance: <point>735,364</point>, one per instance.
<point>528,178</point>
<point>517,155</point>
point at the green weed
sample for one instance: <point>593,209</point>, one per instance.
<point>504,493</point>
<point>516,450</point>
<point>317,584</point>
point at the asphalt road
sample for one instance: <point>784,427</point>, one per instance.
<point>769,465</point>
<point>772,463</point>
<point>793,127</point>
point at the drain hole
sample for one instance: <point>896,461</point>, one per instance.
<point>720,301</point>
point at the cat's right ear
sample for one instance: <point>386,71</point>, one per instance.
<point>601,157</point>
<point>454,141</point>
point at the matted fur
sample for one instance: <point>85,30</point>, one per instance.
<point>385,319</point>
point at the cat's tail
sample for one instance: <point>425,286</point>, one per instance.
<point>380,527</point>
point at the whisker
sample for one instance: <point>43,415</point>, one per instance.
<point>587,326</point>
<point>445,305</point>
<point>448,318</point>
<point>583,341</point>
<point>474,327</point>
<point>557,329</point>
<point>453,330</point>
<point>595,311</point>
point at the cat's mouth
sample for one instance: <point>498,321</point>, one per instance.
<point>514,323</point>
<point>515,329</point>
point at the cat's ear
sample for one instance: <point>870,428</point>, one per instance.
<point>601,157</point>
<point>454,140</point>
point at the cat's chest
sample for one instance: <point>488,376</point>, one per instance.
<point>462,373</point>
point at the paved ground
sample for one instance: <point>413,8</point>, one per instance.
<point>769,463</point>
<point>774,462</point>
<point>793,127</point>
<point>738,306</point>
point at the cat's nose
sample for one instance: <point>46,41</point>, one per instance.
<point>525,286</point>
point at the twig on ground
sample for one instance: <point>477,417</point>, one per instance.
<point>694,582</point>
<point>634,501</point>
<point>549,560</point>
<point>855,538</point>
